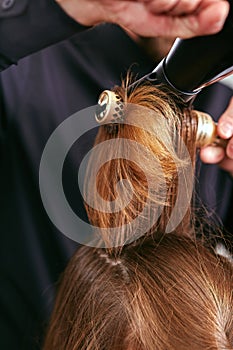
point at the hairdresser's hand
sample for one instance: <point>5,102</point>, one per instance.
<point>183,18</point>
<point>224,157</point>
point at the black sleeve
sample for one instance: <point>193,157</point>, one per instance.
<point>26,26</point>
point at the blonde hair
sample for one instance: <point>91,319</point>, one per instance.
<point>159,291</point>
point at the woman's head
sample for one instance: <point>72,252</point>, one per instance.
<point>157,295</point>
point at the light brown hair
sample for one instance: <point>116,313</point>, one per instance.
<point>167,130</point>
<point>159,291</point>
<point>168,295</point>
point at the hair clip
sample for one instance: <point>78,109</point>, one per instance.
<point>207,131</point>
<point>110,109</point>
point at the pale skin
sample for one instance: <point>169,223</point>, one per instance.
<point>218,155</point>
<point>150,18</point>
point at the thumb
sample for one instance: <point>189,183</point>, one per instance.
<point>212,154</point>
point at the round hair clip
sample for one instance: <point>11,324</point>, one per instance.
<point>110,108</point>
<point>207,131</point>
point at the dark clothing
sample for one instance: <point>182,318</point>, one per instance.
<point>26,26</point>
<point>36,96</point>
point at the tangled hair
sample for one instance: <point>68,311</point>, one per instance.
<point>154,290</point>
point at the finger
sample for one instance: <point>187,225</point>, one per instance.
<point>137,18</point>
<point>212,155</point>
<point>208,20</point>
<point>229,149</point>
<point>160,6</point>
<point>183,7</point>
<point>225,123</point>
<point>176,8</point>
<point>227,164</point>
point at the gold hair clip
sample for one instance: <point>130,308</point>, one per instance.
<point>207,131</point>
<point>110,108</point>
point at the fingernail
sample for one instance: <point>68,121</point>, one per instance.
<point>226,129</point>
